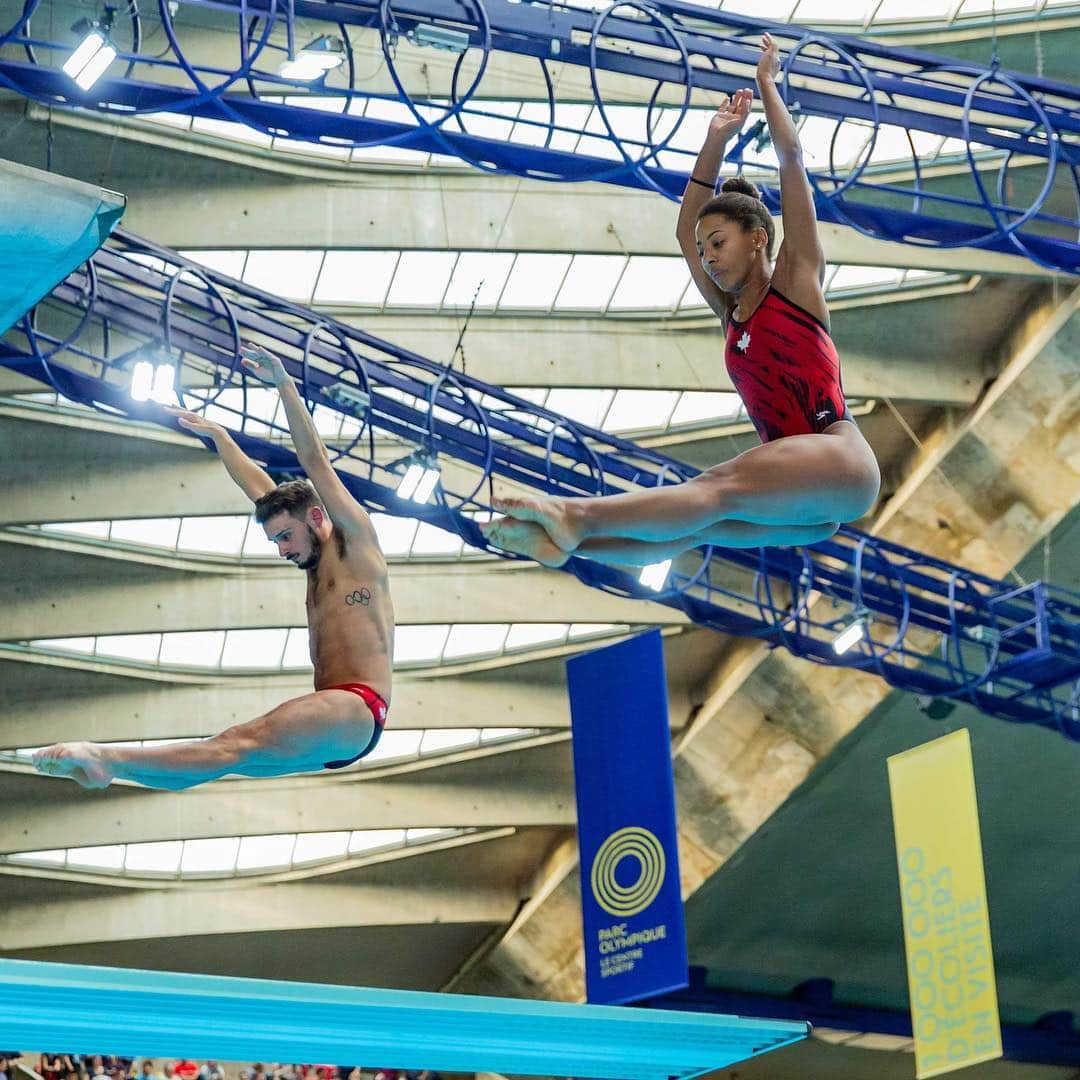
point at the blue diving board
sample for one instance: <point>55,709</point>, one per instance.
<point>38,250</point>
<point>151,1013</point>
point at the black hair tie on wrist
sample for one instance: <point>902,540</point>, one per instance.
<point>703,183</point>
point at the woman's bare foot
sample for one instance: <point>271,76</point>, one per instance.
<point>82,761</point>
<point>558,517</point>
<point>524,538</point>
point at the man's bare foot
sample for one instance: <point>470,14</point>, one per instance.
<point>556,516</point>
<point>524,538</point>
<point>82,761</point>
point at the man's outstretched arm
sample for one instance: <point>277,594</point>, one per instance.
<point>345,512</point>
<point>249,477</point>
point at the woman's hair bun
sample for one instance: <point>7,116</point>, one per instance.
<point>741,185</point>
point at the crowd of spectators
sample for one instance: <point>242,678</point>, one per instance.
<point>88,1066</point>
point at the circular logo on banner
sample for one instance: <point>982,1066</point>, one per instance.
<point>633,842</point>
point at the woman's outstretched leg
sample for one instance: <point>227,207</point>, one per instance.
<point>798,480</point>
<point>528,538</point>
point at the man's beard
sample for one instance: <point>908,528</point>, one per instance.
<point>316,551</point>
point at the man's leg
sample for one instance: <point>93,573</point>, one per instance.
<point>300,735</point>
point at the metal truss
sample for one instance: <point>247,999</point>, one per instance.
<point>1051,1040</point>
<point>927,626</point>
<point>1019,185</point>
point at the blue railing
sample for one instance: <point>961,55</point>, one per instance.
<point>929,627</point>
<point>1019,153</point>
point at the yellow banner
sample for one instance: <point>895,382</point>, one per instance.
<point>954,1010</point>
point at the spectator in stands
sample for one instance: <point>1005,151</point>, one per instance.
<point>211,1071</point>
<point>186,1069</point>
<point>147,1071</point>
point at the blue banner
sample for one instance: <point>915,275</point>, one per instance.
<point>635,938</point>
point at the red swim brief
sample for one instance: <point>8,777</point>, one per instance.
<point>378,709</point>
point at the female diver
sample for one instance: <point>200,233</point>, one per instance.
<point>813,469</point>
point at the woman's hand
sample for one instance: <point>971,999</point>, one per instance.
<point>262,364</point>
<point>769,64</point>
<point>196,423</point>
<point>730,115</point>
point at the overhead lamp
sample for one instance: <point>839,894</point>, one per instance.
<point>419,480</point>
<point>314,60</point>
<point>153,380</point>
<point>852,632</point>
<point>439,37</point>
<point>94,53</point>
<point>655,575</point>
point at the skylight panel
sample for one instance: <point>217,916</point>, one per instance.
<point>395,744</point>
<point>105,857</point>
<point>532,126</point>
<point>528,635</point>
<point>421,278</point>
<point>320,847</point>
<point>391,155</point>
<point>170,119</point>
<point>772,10</point>
<point>418,836</point>
<point>53,857</point>
<point>597,142</point>
<point>474,639</point>
<point>253,648</point>
<point>289,274</point>
<point>913,10</point>
<point>829,11</point>
<point>192,648</point>
<point>587,407</point>
<point>318,148</point>
<point>265,852</point>
<point>356,277</point>
<point>67,644</point>
<point>497,125</point>
<point>159,857</point>
<point>483,270</point>
<point>321,102</point>
<point>219,535</point>
<point>590,281</point>
<point>416,644</point>
<point>363,840</point>
<point>864,277</point>
<point>213,856</point>
<point>151,532</point>
<point>637,409</point>
<point>140,647</point>
<point>227,129</point>
<point>437,740</point>
<point>534,281</point>
<point>571,117</point>
<point>297,649</point>
<point>255,543</point>
<point>984,7</point>
<point>582,630</point>
<point>96,530</point>
<point>230,263</point>
<point>892,144</point>
<point>431,540</point>
<point>395,533</point>
<point>651,281</point>
<point>490,735</point>
<point>698,405</point>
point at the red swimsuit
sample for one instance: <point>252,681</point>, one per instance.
<point>785,368</point>
<point>378,708</point>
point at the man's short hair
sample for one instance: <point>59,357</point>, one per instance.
<point>294,497</point>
